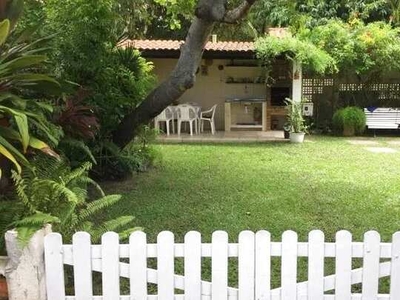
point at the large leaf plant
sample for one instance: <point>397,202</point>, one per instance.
<point>21,62</point>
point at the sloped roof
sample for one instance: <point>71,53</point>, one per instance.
<point>154,45</point>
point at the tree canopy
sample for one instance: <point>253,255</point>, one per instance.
<point>339,47</point>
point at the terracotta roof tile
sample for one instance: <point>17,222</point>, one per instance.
<point>175,45</point>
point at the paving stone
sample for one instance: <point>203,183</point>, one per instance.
<point>381,150</point>
<point>363,142</point>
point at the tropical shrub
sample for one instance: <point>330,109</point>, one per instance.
<point>116,79</point>
<point>20,116</point>
<point>78,120</point>
<point>349,121</point>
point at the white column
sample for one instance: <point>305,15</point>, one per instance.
<point>228,120</point>
<point>25,271</point>
<point>297,83</point>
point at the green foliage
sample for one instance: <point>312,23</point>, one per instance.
<point>120,87</point>
<point>115,164</point>
<point>295,116</point>
<point>116,79</point>
<point>356,47</point>
<point>86,52</point>
<point>367,50</point>
<point>378,48</point>
<point>350,118</point>
<point>84,36</point>
<point>20,76</point>
<point>54,193</point>
<point>270,47</point>
<point>334,38</point>
<point>309,14</point>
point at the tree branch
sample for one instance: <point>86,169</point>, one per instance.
<point>233,16</point>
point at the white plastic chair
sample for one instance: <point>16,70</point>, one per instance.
<point>187,113</point>
<point>167,115</point>
<point>208,116</point>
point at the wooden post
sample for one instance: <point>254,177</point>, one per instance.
<point>25,270</point>
<point>297,83</point>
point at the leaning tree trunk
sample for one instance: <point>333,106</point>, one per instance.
<point>182,78</point>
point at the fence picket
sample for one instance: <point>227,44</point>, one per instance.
<point>343,265</point>
<point>246,265</point>
<point>165,265</point>
<point>55,285</point>
<point>219,265</point>
<point>193,266</point>
<point>289,265</point>
<point>254,252</point>
<point>110,265</point>
<point>138,265</point>
<point>81,246</point>
<point>395,268</point>
<point>316,241</point>
<point>263,265</point>
<point>370,280</point>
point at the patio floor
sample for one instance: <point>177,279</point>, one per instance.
<point>224,137</point>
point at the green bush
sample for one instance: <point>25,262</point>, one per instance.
<point>114,163</point>
<point>349,121</point>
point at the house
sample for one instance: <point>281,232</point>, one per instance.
<point>249,97</point>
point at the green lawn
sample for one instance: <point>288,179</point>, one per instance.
<point>325,184</point>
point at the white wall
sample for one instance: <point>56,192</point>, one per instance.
<point>211,89</point>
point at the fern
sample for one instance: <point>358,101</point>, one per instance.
<point>38,219</point>
<point>111,225</point>
<point>124,235</point>
<point>78,173</point>
<point>54,193</point>
<point>68,145</point>
<point>59,190</point>
<point>25,233</point>
<point>98,205</point>
<point>20,188</point>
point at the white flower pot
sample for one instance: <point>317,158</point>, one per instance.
<point>297,137</point>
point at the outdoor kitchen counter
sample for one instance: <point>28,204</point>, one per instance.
<point>240,113</point>
<point>248,99</point>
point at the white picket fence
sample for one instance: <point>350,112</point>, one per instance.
<point>254,252</point>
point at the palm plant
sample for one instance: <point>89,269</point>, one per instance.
<point>295,116</point>
<point>20,62</point>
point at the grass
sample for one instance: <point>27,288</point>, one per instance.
<point>325,184</point>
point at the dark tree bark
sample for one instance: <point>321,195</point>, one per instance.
<point>182,78</point>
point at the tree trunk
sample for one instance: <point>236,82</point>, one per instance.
<point>182,78</point>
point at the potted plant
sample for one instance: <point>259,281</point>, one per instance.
<point>349,121</point>
<point>286,130</point>
<point>296,121</point>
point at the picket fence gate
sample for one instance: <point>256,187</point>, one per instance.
<point>254,252</point>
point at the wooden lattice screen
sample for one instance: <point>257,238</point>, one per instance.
<point>385,91</point>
